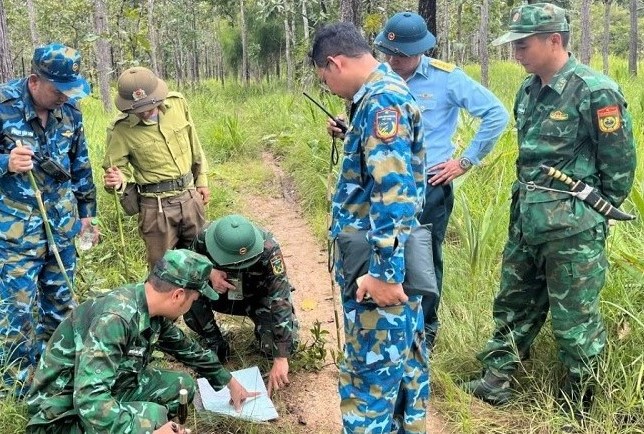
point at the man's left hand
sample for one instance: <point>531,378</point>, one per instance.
<point>445,172</point>
<point>278,377</point>
<point>205,194</point>
<point>86,225</point>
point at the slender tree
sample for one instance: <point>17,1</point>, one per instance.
<point>6,68</point>
<point>634,34</point>
<point>483,36</point>
<point>244,41</point>
<point>606,35</point>
<point>586,49</point>
<point>427,10</point>
<point>154,43</point>
<point>351,11</point>
<point>102,45</point>
<point>33,30</point>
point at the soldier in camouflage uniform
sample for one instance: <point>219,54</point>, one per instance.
<point>380,191</point>
<point>574,119</point>
<point>41,130</point>
<point>250,271</point>
<point>95,376</point>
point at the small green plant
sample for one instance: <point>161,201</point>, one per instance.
<point>312,356</point>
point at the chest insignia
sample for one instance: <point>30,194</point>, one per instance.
<point>67,134</point>
<point>609,119</point>
<point>278,265</point>
<point>386,124</point>
<point>558,115</point>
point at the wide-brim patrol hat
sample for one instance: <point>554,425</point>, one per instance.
<point>405,34</point>
<point>60,65</point>
<point>528,20</point>
<point>186,269</point>
<point>234,242</point>
<point>139,90</point>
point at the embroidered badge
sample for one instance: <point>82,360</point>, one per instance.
<point>75,67</point>
<point>558,115</point>
<point>391,36</point>
<point>609,119</point>
<point>386,123</point>
<point>67,134</point>
<point>278,265</point>
<point>139,94</point>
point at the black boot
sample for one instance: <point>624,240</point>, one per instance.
<point>491,388</point>
<point>576,397</point>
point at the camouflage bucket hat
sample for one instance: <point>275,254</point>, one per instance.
<point>139,90</point>
<point>61,65</point>
<point>536,18</point>
<point>234,242</point>
<point>186,269</point>
<point>405,34</point>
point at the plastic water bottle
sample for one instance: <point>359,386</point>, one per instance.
<point>86,240</point>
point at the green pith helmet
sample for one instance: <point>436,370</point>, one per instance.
<point>405,34</point>
<point>234,242</point>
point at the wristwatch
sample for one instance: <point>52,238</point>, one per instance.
<point>465,163</point>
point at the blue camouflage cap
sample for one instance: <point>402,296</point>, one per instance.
<point>61,65</point>
<point>186,269</point>
<point>528,20</point>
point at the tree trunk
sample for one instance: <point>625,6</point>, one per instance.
<point>606,36</point>
<point>305,23</point>
<point>443,39</point>
<point>633,35</point>
<point>483,36</point>
<point>287,51</point>
<point>31,15</point>
<point>586,36</point>
<point>103,63</point>
<point>244,40</point>
<point>152,33</point>
<point>427,10</point>
<point>6,68</point>
<point>350,11</point>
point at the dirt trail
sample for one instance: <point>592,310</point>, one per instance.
<point>311,401</point>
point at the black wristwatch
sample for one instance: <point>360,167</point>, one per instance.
<point>465,163</point>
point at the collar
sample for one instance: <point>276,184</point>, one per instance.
<point>423,68</point>
<point>142,306</point>
<point>559,79</point>
<point>133,120</point>
<point>379,71</point>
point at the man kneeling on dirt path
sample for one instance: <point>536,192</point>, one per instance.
<point>250,274</point>
<point>95,376</point>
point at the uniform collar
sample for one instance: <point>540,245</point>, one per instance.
<point>133,120</point>
<point>423,67</point>
<point>559,80</point>
<point>142,306</point>
<point>381,70</point>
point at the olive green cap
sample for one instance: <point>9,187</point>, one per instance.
<point>234,242</point>
<point>186,269</point>
<point>528,20</point>
<point>139,90</point>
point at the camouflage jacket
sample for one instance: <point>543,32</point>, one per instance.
<point>579,124</point>
<point>63,140</point>
<point>266,280</point>
<point>95,355</point>
<point>382,183</point>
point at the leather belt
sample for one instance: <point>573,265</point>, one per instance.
<point>170,185</point>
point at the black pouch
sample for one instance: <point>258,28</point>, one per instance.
<point>420,277</point>
<point>130,199</point>
<point>54,169</point>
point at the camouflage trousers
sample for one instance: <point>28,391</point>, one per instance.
<point>384,354</point>
<point>201,319</point>
<point>35,299</point>
<point>564,276</point>
<point>153,402</point>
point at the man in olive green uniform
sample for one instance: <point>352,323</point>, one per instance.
<point>154,140</point>
<point>250,275</point>
<point>95,376</point>
<point>574,119</point>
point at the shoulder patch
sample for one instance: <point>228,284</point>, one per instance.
<point>443,66</point>
<point>386,123</point>
<point>277,263</point>
<point>609,119</point>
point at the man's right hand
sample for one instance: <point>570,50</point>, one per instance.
<point>113,177</point>
<point>239,394</point>
<point>20,160</point>
<point>170,428</point>
<point>333,129</point>
<point>219,282</point>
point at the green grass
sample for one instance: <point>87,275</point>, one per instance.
<point>236,125</point>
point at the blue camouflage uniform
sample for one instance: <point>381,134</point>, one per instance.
<point>442,90</point>
<point>380,190</point>
<point>29,273</point>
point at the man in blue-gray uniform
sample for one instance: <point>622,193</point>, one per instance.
<point>441,90</point>
<point>42,132</point>
<point>378,194</point>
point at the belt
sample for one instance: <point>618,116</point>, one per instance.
<point>173,184</point>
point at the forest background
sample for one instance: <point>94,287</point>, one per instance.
<point>242,65</point>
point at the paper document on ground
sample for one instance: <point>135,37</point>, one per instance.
<point>260,408</point>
